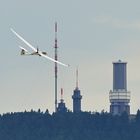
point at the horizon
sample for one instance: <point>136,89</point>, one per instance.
<point>91,35</point>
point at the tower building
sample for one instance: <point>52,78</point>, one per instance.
<point>61,106</point>
<point>119,96</point>
<point>76,97</point>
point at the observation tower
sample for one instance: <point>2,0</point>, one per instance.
<point>119,97</point>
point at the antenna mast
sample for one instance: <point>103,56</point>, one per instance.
<point>77,78</point>
<point>61,94</point>
<point>56,68</point>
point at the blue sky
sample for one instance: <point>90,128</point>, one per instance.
<point>91,35</point>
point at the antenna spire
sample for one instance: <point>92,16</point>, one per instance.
<point>55,26</point>
<point>61,94</point>
<point>55,34</point>
<point>77,78</point>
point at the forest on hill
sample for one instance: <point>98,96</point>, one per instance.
<point>36,125</point>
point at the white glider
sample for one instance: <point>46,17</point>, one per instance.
<point>35,51</point>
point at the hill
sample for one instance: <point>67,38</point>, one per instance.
<point>68,126</point>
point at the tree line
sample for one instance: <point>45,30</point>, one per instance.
<point>36,125</point>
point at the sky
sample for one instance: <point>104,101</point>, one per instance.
<point>91,35</point>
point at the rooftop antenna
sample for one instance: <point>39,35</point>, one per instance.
<point>56,68</point>
<point>61,95</point>
<point>77,78</point>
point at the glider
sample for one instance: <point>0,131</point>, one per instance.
<point>35,51</point>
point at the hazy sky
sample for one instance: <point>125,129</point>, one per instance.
<point>91,35</point>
